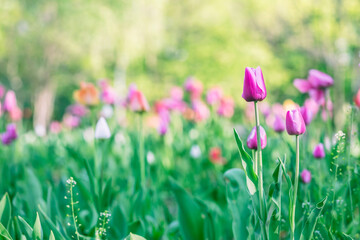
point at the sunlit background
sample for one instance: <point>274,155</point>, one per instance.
<point>48,47</point>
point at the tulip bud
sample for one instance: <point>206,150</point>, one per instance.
<point>306,114</point>
<point>279,124</point>
<point>306,176</point>
<point>319,79</point>
<point>10,135</point>
<point>319,151</point>
<point>138,102</point>
<point>357,99</point>
<point>10,102</point>
<point>295,124</point>
<point>252,139</point>
<point>102,130</point>
<point>254,87</point>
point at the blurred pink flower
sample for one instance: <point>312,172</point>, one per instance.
<point>279,124</point>
<point>10,102</point>
<point>194,87</point>
<point>78,110</point>
<point>265,108</point>
<point>226,107</point>
<point>215,156</point>
<point>214,95</point>
<point>10,135</point>
<point>16,114</point>
<point>201,111</point>
<point>307,115</point>
<point>357,99</point>
<point>306,176</point>
<point>163,124</point>
<point>311,105</point>
<point>176,93</point>
<point>319,151</point>
<point>55,127</point>
<point>137,101</point>
<point>71,121</point>
<point>108,94</point>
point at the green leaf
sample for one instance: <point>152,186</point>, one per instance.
<point>52,237</point>
<point>118,222</point>
<point>25,227</point>
<point>310,223</point>
<point>238,201</point>
<point>37,230</point>
<point>5,211</point>
<point>51,225</point>
<point>4,233</point>
<point>106,194</point>
<point>247,164</point>
<point>134,237</point>
<point>190,214</point>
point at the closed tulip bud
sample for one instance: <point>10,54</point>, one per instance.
<point>307,115</point>
<point>279,124</point>
<point>138,102</point>
<point>319,79</point>
<point>306,176</point>
<point>254,85</point>
<point>10,102</point>
<point>102,130</point>
<point>252,139</point>
<point>295,124</point>
<point>10,135</point>
<point>319,151</point>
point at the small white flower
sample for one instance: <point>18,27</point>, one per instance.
<point>107,111</point>
<point>150,157</point>
<point>195,151</point>
<point>102,130</point>
<point>40,130</point>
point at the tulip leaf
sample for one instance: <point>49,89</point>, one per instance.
<point>132,236</point>
<point>5,211</point>
<point>190,214</point>
<point>52,237</point>
<point>25,227</point>
<point>37,230</point>
<point>238,200</point>
<point>51,225</point>
<point>247,163</point>
<point>310,223</point>
<point>4,233</point>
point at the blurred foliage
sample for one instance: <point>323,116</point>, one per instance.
<point>158,43</point>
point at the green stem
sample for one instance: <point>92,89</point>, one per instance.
<point>296,184</point>
<point>72,203</point>
<point>141,151</point>
<point>254,155</point>
<point>348,162</point>
<point>260,172</point>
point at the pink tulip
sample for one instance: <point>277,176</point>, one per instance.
<point>279,124</point>
<point>201,110</point>
<point>295,124</point>
<point>312,106</point>
<point>307,115</point>
<point>71,121</point>
<point>214,95</point>
<point>55,127</point>
<point>78,110</point>
<point>215,156</point>
<point>252,139</point>
<point>319,79</point>
<point>319,151</point>
<point>163,125</point>
<point>137,102</point>
<point>194,87</point>
<point>16,114</point>
<point>306,176</point>
<point>226,107</point>
<point>108,94</point>
<point>254,86</point>
<point>357,99</point>
<point>10,102</point>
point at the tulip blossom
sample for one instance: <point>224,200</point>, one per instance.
<point>108,94</point>
<point>10,102</point>
<point>10,135</point>
<point>137,101</point>
<point>312,106</point>
<point>357,99</point>
<point>279,124</point>
<point>176,93</point>
<point>306,176</point>
<point>307,115</point>
<point>295,124</point>
<point>319,151</point>
<point>71,121</point>
<point>194,87</point>
<point>87,94</point>
<point>254,86</point>
<point>252,139</point>
<point>195,151</point>
<point>215,155</point>
<point>201,111</point>
<point>226,107</point>
<point>102,130</point>
<point>55,127</point>
<point>214,95</point>
<point>78,110</point>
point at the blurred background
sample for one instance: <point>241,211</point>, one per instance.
<point>48,47</point>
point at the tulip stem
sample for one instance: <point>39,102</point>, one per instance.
<point>141,151</point>
<point>260,172</point>
<point>296,184</point>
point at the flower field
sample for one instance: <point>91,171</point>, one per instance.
<point>184,166</point>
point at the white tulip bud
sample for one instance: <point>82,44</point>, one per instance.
<point>102,130</point>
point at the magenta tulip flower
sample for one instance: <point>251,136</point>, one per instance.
<point>10,135</point>
<point>279,124</point>
<point>10,102</point>
<point>214,95</point>
<point>307,115</point>
<point>254,85</point>
<point>319,79</point>
<point>137,102</point>
<point>319,151</point>
<point>295,124</point>
<point>306,176</point>
<point>252,140</point>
